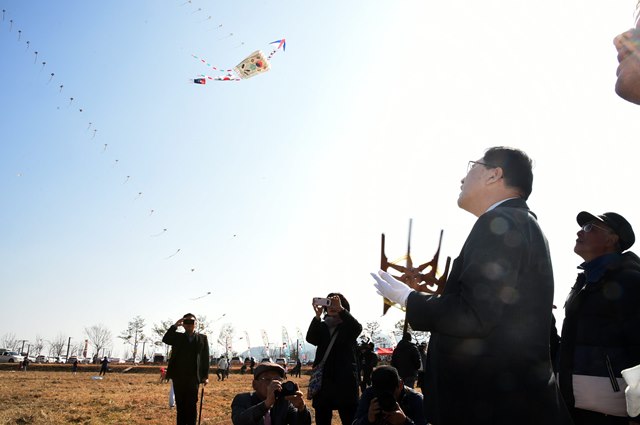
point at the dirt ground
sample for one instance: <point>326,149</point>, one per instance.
<point>59,397</point>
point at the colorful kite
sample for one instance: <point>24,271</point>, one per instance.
<point>254,64</point>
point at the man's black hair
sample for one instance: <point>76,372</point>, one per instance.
<point>385,378</point>
<point>516,168</point>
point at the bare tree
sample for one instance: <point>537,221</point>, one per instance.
<point>420,336</point>
<point>57,345</point>
<point>159,329</point>
<point>10,342</point>
<point>99,337</point>
<point>226,337</point>
<point>38,345</point>
<point>203,325</point>
<point>134,333</point>
<point>374,332</point>
<point>75,349</point>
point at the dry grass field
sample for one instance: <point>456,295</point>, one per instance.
<point>55,396</point>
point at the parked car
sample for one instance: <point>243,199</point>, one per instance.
<point>60,359</point>
<point>236,361</point>
<point>31,358</point>
<point>161,358</point>
<point>10,357</point>
<point>42,359</point>
<point>266,360</point>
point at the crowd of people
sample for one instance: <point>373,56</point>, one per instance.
<point>494,356</point>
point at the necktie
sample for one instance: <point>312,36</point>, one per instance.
<point>267,417</point>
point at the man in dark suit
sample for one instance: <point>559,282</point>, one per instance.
<point>188,366</point>
<point>488,360</point>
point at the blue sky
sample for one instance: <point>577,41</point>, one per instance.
<point>276,189</point>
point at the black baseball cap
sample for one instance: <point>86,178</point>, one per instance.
<point>615,222</point>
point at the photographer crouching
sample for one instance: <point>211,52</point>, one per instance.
<point>389,401</point>
<point>275,400</point>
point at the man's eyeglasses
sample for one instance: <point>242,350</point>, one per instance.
<point>589,227</point>
<point>474,163</point>
<point>188,322</point>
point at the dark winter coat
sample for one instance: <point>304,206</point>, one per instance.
<point>602,320</point>
<point>340,376</point>
<point>488,361</point>
<point>406,359</point>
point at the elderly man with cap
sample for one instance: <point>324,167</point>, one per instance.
<point>600,333</point>
<point>273,402</point>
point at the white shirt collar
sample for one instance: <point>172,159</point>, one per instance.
<point>498,203</point>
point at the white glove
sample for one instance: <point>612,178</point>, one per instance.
<point>632,393</point>
<point>391,288</point>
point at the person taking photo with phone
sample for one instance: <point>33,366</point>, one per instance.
<point>335,338</point>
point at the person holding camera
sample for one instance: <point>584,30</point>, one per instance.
<point>188,366</point>
<point>273,402</point>
<point>389,401</point>
<point>335,338</point>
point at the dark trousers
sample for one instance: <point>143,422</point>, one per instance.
<point>587,417</point>
<point>324,414</point>
<point>222,373</point>
<point>186,391</point>
<point>366,378</point>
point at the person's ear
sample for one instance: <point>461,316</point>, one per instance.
<point>494,175</point>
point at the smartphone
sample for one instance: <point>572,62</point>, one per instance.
<point>323,302</point>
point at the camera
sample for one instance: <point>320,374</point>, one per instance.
<point>386,401</point>
<point>288,388</point>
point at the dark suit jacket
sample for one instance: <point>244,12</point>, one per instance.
<point>178,343</point>
<point>248,409</point>
<point>488,359</point>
